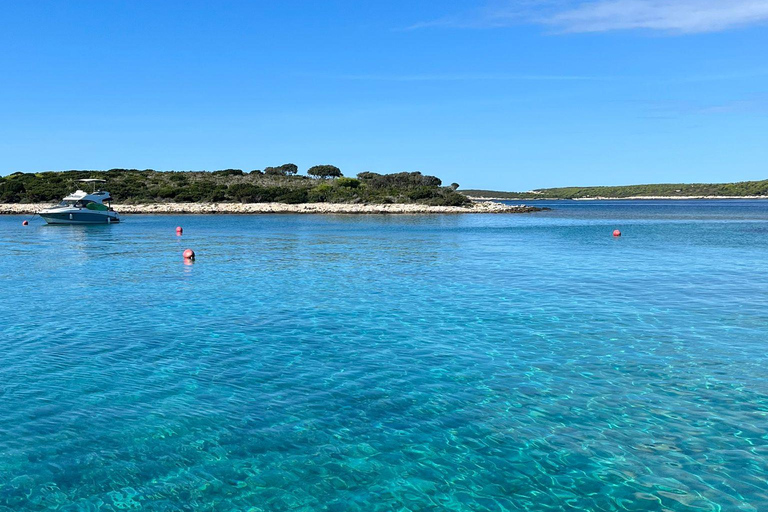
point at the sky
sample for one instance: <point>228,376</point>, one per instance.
<point>496,94</point>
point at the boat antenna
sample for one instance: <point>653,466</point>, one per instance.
<point>94,181</point>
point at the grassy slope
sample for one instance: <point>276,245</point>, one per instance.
<point>744,188</point>
<point>134,186</point>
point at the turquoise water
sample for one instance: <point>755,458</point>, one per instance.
<point>523,362</point>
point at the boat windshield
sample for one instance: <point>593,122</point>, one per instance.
<point>81,203</point>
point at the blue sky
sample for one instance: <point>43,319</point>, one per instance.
<point>495,94</point>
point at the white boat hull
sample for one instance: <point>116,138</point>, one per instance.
<point>78,216</point>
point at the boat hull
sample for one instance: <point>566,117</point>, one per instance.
<point>79,217</point>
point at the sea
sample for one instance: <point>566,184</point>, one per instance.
<point>389,362</point>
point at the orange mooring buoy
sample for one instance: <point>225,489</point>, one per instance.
<point>189,254</point>
<point>179,230</point>
<point>616,232</point>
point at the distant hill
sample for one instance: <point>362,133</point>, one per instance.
<point>743,188</point>
<point>282,184</point>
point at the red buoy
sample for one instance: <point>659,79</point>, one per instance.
<point>25,223</point>
<point>616,232</point>
<point>179,230</point>
<point>189,254</point>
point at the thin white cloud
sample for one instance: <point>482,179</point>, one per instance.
<point>681,16</point>
<point>571,16</point>
<point>470,77</point>
<point>677,109</point>
<point>497,13</point>
<point>532,77</point>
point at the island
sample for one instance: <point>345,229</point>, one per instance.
<point>278,189</point>
<point>739,190</point>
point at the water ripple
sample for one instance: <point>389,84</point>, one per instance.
<point>380,363</point>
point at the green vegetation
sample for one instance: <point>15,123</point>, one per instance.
<point>282,170</point>
<point>744,188</point>
<point>273,184</point>
<point>324,171</point>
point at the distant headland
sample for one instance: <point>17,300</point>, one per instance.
<point>279,189</point>
<point>739,190</point>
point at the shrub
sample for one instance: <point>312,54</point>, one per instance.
<point>9,197</point>
<point>12,186</point>
<point>348,182</point>
<point>320,194</point>
<point>228,172</point>
<point>294,196</point>
<point>422,193</point>
<point>167,192</point>
<point>184,197</point>
<point>218,194</point>
<point>245,193</point>
<point>399,180</point>
<point>451,198</point>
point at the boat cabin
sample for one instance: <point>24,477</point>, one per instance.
<point>92,201</point>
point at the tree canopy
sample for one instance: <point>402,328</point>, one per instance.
<point>282,170</point>
<point>324,171</point>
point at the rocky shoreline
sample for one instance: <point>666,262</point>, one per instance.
<point>664,198</point>
<point>308,208</point>
<point>600,198</point>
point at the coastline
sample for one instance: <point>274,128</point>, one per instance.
<point>303,208</point>
<point>600,198</point>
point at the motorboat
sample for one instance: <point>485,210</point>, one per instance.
<point>83,208</point>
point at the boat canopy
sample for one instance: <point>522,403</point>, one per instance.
<point>92,181</point>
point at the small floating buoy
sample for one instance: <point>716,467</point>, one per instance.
<point>616,232</point>
<point>189,254</point>
<point>179,230</point>
<point>25,223</point>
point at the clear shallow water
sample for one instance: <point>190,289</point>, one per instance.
<point>526,362</point>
